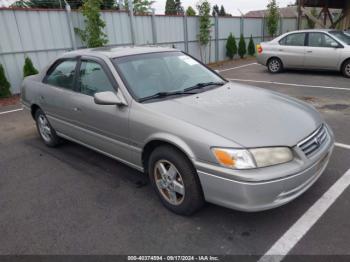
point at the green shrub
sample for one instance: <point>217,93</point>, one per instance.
<point>242,49</point>
<point>28,68</point>
<point>231,46</point>
<point>251,46</point>
<point>4,84</point>
<point>92,35</point>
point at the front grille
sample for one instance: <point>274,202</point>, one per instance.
<point>312,144</point>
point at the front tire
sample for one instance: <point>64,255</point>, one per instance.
<point>46,132</point>
<point>274,65</point>
<point>346,69</point>
<point>175,180</point>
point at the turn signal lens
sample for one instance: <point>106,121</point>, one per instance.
<point>224,158</point>
<point>234,158</point>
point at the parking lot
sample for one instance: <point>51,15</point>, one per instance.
<point>71,200</point>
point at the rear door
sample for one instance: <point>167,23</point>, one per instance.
<point>322,52</point>
<point>291,50</point>
<point>58,94</point>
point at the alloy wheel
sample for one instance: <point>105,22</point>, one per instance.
<point>347,69</point>
<point>274,65</point>
<point>44,128</point>
<point>169,182</point>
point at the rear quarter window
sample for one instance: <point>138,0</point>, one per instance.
<point>297,39</point>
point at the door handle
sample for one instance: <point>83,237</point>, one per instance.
<point>309,51</point>
<point>76,109</point>
<point>280,50</point>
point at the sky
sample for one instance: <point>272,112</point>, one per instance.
<point>231,6</point>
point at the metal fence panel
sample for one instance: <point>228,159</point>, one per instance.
<point>44,34</point>
<point>143,30</point>
<point>252,26</point>
<point>169,29</point>
<point>229,25</point>
<point>289,24</point>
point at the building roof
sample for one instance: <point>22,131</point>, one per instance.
<point>113,52</point>
<point>286,12</point>
<point>290,11</point>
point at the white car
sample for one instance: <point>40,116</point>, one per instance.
<point>308,49</point>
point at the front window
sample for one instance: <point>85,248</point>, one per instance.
<point>345,37</point>
<point>321,40</point>
<point>92,79</point>
<point>168,72</point>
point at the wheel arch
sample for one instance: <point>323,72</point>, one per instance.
<point>33,109</point>
<point>343,63</point>
<point>160,140</point>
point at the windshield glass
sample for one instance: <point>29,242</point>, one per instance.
<point>341,36</point>
<point>149,74</point>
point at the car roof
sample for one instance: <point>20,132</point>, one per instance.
<point>312,30</point>
<point>113,52</point>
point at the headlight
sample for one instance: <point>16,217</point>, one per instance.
<point>252,158</point>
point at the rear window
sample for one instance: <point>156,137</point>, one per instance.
<point>62,74</point>
<point>293,40</point>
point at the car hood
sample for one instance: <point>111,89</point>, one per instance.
<point>246,115</point>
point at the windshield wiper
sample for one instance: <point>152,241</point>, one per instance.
<point>165,94</point>
<point>187,91</point>
<point>202,85</point>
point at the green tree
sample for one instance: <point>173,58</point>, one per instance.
<point>231,46</point>
<point>311,24</point>
<point>222,11</point>
<point>44,4</point>
<point>93,34</point>
<point>251,46</point>
<point>140,6</point>
<point>108,4</point>
<point>178,7</point>
<point>170,8</point>
<point>272,17</point>
<point>216,10</point>
<point>190,11</point>
<point>242,49</point>
<point>205,25</point>
<point>20,3</point>
<point>28,68</point>
<point>4,84</point>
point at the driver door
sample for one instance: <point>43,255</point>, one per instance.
<point>322,52</point>
<point>103,127</point>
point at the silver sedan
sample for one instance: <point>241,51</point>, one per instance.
<point>307,49</point>
<point>198,137</point>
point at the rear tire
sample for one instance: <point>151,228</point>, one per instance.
<point>346,68</point>
<point>175,180</point>
<point>275,65</point>
<point>45,130</point>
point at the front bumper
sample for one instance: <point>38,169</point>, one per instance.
<point>254,196</point>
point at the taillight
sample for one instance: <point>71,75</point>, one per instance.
<point>259,49</point>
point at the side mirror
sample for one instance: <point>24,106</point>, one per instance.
<point>335,45</point>
<point>109,98</point>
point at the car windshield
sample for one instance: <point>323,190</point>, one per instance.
<point>341,36</point>
<point>158,75</point>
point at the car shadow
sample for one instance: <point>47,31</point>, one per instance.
<point>314,72</point>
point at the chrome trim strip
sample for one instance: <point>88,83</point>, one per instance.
<point>308,137</point>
